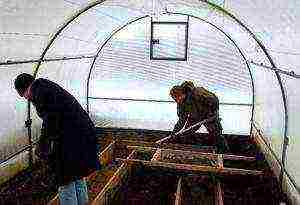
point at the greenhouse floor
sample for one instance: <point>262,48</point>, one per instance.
<point>137,171</point>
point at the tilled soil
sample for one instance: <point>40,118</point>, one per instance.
<point>148,186</point>
<point>32,187</point>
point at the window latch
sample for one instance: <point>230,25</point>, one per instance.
<point>155,41</point>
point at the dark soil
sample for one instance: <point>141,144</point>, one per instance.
<point>35,186</point>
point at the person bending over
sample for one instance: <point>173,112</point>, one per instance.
<point>68,137</point>
<point>195,104</point>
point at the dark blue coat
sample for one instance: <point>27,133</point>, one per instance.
<point>67,124</point>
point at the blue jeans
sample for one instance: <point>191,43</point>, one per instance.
<point>74,193</point>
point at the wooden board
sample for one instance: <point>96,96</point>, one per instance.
<point>106,156</point>
<point>115,181</point>
<point>194,153</point>
<point>207,149</point>
<point>192,168</point>
<point>219,194</point>
<point>178,200</point>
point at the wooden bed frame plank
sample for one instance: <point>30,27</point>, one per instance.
<point>178,199</point>
<point>114,181</point>
<point>194,153</point>
<point>193,168</point>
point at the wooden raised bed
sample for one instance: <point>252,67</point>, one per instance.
<point>139,172</point>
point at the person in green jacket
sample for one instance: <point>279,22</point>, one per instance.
<point>195,104</point>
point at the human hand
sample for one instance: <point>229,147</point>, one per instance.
<point>42,150</point>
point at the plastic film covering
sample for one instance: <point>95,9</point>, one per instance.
<point>159,115</point>
<point>36,125</point>
<point>241,37</point>
<point>268,107</point>
<point>16,46</point>
<point>286,61</point>
<point>123,70</point>
<point>84,35</point>
<point>235,119</point>
<point>70,74</point>
<point>31,23</point>
<point>91,28</point>
<point>166,33</point>
<point>133,114</point>
<point>13,112</point>
<point>293,102</point>
<point>276,23</point>
<point>25,26</point>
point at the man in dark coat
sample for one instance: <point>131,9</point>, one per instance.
<point>68,137</point>
<point>195,104</point>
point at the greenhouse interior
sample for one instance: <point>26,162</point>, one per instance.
<point>119,59</point>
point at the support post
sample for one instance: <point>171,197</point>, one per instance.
<point>219,194</point>
<point>178,200</point>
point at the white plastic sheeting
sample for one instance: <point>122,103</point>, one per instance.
<point>70,74</point>
<point>276,24</point>
<point>269,108</point>
<point>146,115</point>
<point>202,10</point>
<point>124,70</point>
<point>26,26</point>
<point>13,111</point>
<point>83,36</point>
<point>293,99</point>
<point>13,134</point>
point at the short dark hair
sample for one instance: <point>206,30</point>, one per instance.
<point>187,86</point>
<point>176,90</point>
<point>22,82</point>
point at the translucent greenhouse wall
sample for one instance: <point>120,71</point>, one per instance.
<point>83,36</point>
<point>13,134</point>
<point>276,23</point>
<point>123,71</point>
<point>293,101</point>
<point>71,75</point>
<point>269,108</point>
<point>158,115</point>
<point>25,26</point>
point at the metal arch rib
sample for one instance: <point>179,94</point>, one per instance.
<point>285,142</point>
<point>238,48</point>
<point>100,49</point>
<point>214,6</point>
<point>61,28</point>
